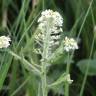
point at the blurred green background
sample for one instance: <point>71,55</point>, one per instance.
<point>18,19</point>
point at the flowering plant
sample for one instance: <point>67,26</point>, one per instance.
<point>4,41</point>
<point>50,26</point>
<point>47,41</point>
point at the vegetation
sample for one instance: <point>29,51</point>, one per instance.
<point>23,69</point>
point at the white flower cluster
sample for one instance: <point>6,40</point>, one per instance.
<point>68,79</point>
<point>49,16</point>
<point>4,41</point>
<point>70,44</point>
<point>50,21</point>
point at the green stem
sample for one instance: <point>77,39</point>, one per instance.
<point>87,70</point>
<point>88,66</point>
<point>4,18</point>
<point>67,71</point>
<point>43,4</point>
<point>44,62</point>
<point>85,17</point>
<point>44,84</point>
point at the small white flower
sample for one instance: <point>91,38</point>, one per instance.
<point>50,22</point>
<point>42,27</point>
<point>70,44</point>
<point>56,30</point>
<point>52,18</point>
<point>55,37</point>
<point>58,20</point>
<point>4,41</point>
<point>68,79</point>
<point>52,43</point>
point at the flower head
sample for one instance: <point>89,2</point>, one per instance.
<point>4,41</point>
<point>50,21</point>
<point>49,16</point>
<point>70,44</point>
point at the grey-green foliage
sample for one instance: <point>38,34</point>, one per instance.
<point>22,28</point>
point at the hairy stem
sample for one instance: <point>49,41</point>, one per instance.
<point>44,84</point>
<point>44,61</point>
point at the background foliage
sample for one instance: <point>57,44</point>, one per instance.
<point>18,19</point>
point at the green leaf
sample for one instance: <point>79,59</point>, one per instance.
<point>83,64</point>
<point>26,63</point>
<point>4,69</point>
<point>60,57</point>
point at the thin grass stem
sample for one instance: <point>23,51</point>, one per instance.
<point>88,66</point>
